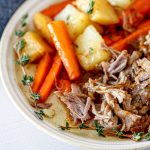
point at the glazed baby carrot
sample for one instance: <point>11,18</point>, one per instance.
<point>64,85</point>
<point>111,39</point>
<point>53,10</point>
<point>49,82</point>
<point>63,44</point>
<point>121,44</point>
<point>41,72</point>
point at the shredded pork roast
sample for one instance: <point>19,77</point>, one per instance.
<point>120,96</point>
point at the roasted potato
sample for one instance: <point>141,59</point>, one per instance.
<point>121,3</point>
<point>76,21</point>
<point>35,46</point>
<point>41,22</point>
<point>88,49</point>
<point>99,11</point>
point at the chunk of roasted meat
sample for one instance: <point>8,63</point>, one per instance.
<point>143,125</point>
<point>119,64</point>
<point>128,119</point>
<point>111,121</point>
<point>78,105</point>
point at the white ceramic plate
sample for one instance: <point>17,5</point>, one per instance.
<point>8,78</point>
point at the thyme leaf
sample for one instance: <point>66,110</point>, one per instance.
<point>147,136</point>
<point>20,45</point>
<point>91,50</point>
<point>24,20</point>
<point>137,136</point>
<point>39,114</point>
<point>82,126</point>
<point>118,133</point>
<point>68,17</point>
<point>66,127</point>
<point>27,80</point>
<point>19,33</point>
<point>35,96</point>
<point>24,60</point>
<point>99,129</point>
<point>91,7</point>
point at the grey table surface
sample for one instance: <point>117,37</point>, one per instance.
<point>7,8</point>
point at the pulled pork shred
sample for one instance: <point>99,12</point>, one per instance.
<point>123,90</point>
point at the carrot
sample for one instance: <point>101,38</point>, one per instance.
<point>64,85</point>
<point>49,82</point>
<point>121,44</point>
<point>63,44</point>
<point>41,72</point>
<point>112,39</point>
<point>136,12</point>
<point>53,10</point>
<point>144,24</point>
<point>141,6</point>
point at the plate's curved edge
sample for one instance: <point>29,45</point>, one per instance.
<point>30,118</point>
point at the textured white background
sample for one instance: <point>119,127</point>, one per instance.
<point>17,133</point>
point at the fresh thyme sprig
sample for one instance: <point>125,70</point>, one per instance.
<point>24,59</point>
<point>108,132</point>
<point>91,7</point>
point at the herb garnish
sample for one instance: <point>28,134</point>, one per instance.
<point>20,45</point>
<point>68,17</point>
<point>118,133</point>
<point>82,126</point>
<point>137,136</point>
<point>19,33</point>
<point>66,126</point>
<point>24,60</point>
<point>99,129</point>
<point>24,20</point>
<point>91,50</point>
<point>35,96</point>
<point>39,114</point>
<point>110,132</point>
<point>27,80</point>
<point>91,7</point>
<point>147,136</point>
